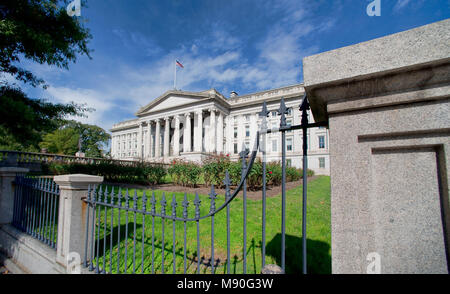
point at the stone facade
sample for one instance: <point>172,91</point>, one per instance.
<point>194,125</point>
<point>387,103</point>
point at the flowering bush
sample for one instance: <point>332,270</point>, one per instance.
<point>214,170</point>
<point>184,173</point>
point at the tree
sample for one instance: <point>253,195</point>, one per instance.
<point>93,138</point>
<point>40,31</point>
<point>23,121</point>
<point>62,141</point>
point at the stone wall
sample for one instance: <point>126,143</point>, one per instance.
<point>387,103</point>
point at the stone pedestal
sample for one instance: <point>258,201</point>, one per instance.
<point>387,103</point>
<point>72,215</point>
<point>7,176</point>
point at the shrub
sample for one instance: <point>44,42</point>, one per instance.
<point>273,173</point>
<point>184,173</point>
<point>139,173</point>
<point>214,170</point>
<point>293,174</point>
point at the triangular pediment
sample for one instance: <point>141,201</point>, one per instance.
<point>172,99</point>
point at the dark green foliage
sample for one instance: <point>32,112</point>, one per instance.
<point>39,31</point>
<point>184,173</point>
<point>24,121</point>
<point>139,173</point>
<point>214,170</point>
<point>62,141</point>
<point>187,174</point>
<point>92,138</point>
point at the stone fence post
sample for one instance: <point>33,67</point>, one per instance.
<point>387,105</point>
<point>72,215</point>
<point>7,176</point>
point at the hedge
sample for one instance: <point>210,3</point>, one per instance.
<point>140,173</point>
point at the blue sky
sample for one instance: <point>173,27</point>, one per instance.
<point>231,45</point>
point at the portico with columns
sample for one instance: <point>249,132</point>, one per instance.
<point>194,126</point>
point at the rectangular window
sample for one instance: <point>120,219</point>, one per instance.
<point>289,144</point>
<point>247,145</point>
<point>247,131</point>
<point>289,111</point>
<point>235,132</point>
<point>321,162</point>
<point>289,123</point>
<point>321,142</point>
<point>235,148</point>
<point>274,113</point>
<point>247,117</point>
<point>274,145</point>
<point>288,162</point>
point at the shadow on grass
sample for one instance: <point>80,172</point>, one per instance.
<point>318,257</point>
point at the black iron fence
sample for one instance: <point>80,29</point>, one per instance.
<point>36,203</point>
<point>131,233</point>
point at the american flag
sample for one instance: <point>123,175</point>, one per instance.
<point>179,64</point>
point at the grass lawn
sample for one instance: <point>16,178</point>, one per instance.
<point>318,234</point>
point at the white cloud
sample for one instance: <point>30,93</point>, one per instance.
<point>215,60</point>
<point>401,4</point>
<point>92,99</point>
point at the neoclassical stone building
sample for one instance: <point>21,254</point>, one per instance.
<point>194,125</point>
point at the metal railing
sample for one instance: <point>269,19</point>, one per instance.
<point>36,202</point>
<point>26,159</point>
<point>108,215</point>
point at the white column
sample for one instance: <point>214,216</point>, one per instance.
<point>198,132</point>
<point>253,129</point>
<point>212,130</point>
<point>166,137</point>
<point>158,138</point>
<point>229,134</point>
<point>219,144</point>
<point>139,139</point>
<point>176,137</point>
<point>112,146</point>
<point>241,131</point>
<point>187,133</point>
<point>149,139</point>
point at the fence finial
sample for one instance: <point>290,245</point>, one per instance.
<point>153,203</point>
<point>174,205</point>
<point>227,184</point>
<point>144,201</point>
<point>283,110</point>
<point>304,107</point>
<point>185,206</point>
<point>135,199</point>
<point>197,203</point>
<point>212,196</point>
<point>163,204</point>
<point>264,112</point>
<point>127,200</point>
<point>111,195</point>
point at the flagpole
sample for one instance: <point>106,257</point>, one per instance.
<point>175,75</point>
